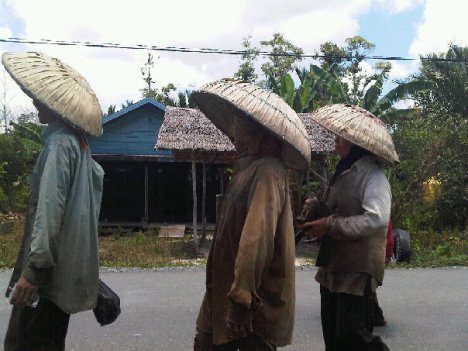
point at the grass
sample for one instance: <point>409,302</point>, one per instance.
<point>430,249</point>
<point>147,250</point>
<point>140,250</point>
<point>433,249</point>
<point>10,243</point>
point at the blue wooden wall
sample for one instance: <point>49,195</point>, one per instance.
<point>131,131</point>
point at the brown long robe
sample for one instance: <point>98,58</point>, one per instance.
<point>253,253</point>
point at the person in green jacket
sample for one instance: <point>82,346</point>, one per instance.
<point>58,260</point>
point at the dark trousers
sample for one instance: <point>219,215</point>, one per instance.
<point>379,319</point>
<point>37,329</point>
<point>347,322</point>
<point>252,342</point>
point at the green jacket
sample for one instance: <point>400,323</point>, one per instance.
<point>60,244</point>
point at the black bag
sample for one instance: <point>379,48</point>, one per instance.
<point>108,305</point>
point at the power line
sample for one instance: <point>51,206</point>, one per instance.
<point>215,51</point>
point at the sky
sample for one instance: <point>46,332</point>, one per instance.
<point>406,28</point>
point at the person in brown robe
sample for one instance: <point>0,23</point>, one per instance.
<point>250,297</point>
<point>250,288</point>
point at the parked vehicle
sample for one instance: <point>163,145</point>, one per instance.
<point>402,245</point>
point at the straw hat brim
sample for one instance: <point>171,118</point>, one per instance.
<point>226,99</point>
<point>358,126</point>
<point>58,87</point>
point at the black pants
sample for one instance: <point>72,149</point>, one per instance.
<point>379,319</point>
<point>347,322</point>
<point>37,329</point>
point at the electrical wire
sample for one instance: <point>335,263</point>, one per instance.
<point>216,51</point>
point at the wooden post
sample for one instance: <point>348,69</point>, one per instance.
<point>204,199</point>
<point>194,188</point>
<point>146,194</point>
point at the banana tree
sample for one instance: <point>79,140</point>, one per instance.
<point>317,87</point>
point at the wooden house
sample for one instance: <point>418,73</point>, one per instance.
<point>190,134</point>
<point>145,186</point>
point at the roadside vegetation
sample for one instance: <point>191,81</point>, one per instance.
<point>147,250</point>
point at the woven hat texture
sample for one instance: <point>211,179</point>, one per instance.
<point>358,126</point>
<point>57,86</point>
<point>223,100</point>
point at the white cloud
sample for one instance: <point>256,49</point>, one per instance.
<point>396,6</point>
<point>403,69</point>
<point>444,23</point>
<point>308,29</point>
<point>404,104</point>
<point>5,32</point>
<point>115,73</point>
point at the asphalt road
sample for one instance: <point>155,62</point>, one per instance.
<point>426,309</point>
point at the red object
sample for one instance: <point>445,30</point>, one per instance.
<point>390,243</point>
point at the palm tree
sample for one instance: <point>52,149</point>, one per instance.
<point>449,74</point>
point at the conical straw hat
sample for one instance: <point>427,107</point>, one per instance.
<point>223,100</point>
<point>57,86</point>
<point>358,126</point>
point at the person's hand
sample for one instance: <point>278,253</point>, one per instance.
<point>239,321</point>
<point>309,210</point>
<point>25,293</point>
<point>317,228</point>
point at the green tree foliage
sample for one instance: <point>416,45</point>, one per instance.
<point>185,99</point>
<point>126,104</point>
<point>246,71</point>
<point>320,87</point>
<point>345,63</point>
<point>433,144</point>
<point>332,58</point>
<point>279,65</point>
<point>449,72</point>
<point>317,87</point>
<point>18,151</point>
<point>111,109</point>
<point>146,75</point>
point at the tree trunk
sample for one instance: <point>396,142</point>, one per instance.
<point>194,187</point>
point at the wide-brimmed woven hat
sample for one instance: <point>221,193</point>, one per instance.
<point>358,126</point>
<point>226,99</point>
<point>57,86</point>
